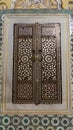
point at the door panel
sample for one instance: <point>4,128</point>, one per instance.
<point>23,64</point>
<point>50,40</point>
<point>37,64</point>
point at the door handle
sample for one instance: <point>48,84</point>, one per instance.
<point>36,58</point>
<point>33,51</point>
<point>40,51</point>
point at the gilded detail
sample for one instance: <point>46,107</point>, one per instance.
<point>3,5</point>
<point>37,4</point>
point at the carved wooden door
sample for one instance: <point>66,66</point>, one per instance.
<point>37,64</point>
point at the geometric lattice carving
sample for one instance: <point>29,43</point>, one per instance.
<point>24,59</point>
<point>51,64</point>
<point>23,86</point>
<point>37,64</point>
<point>24,69</point>
<point>24,91</point>
<point>49,71</point>
<point>49,56</point>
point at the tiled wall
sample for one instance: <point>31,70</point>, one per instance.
<point>46,122</point>
<point>32,122</point>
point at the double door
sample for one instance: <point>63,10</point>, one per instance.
<point>37,64</point>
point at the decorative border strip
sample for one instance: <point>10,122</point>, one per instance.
<point>71,56</point>
<point>1,58</point>
<point>46,122</point>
